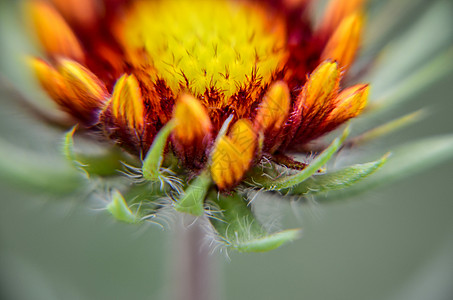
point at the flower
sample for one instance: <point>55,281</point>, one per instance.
<point>204,93</point>
<point>200,63</point>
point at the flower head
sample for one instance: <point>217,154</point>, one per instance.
<point>211,97</point>
<point>200,62</point>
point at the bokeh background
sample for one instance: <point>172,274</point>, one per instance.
<point>394,243</point>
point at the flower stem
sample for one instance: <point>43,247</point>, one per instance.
<point>194,273</point>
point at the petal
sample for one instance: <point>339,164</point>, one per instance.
<point>349,104</point>
<point>82,13</point>
<point>73,87</point>
<point>273,114</point>
<point>336,12</point>
<point>274,109</point>
<point>53,32</point>
<point>243,137</point>
<point>84,88</point>
<point>313,104</point>
<point>321,87</point>
<point>192,120</point>
<point>49,78</point>
<point>193,131</point>
<point>233,155</point>
<point>344,43</point>
<point>127,102</point>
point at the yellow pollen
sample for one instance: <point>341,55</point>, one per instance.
<point>196,45</point>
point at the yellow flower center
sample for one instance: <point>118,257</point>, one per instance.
<point>197,45</point>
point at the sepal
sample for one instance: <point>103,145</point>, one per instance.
<point>192,199</point>
<point>344,178</point>
<point>238,228</point>
<point>120,210</point>
<point>69,153</point>
<point>287,182</point>
<point>106,164</point>
<point>152,164</point>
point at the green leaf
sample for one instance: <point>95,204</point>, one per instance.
<point>119,209</point>
<point>192,199</point>
<point>238,228</point>
<point>292,180</point>
<point>153,160</point>
<point>338,180</point>
<point>407,160</point>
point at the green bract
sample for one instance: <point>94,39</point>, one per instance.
<point>159,183</point>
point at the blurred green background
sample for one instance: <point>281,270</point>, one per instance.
<point>393,243</point>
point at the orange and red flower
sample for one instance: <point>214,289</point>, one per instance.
<point>126,68</point>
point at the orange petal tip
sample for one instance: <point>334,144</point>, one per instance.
<point>350,103</point>
<point>191,120</point>
<point>274,110</point>
<point>344,43</point>
<point>49,78</point>
<point>126,102</point>
<point>336,12</point>
<point>82,13</point>
<point>321,86</point>
<point>54,34</point>
<point>85,87</point>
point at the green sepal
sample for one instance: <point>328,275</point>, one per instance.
<point>104,164</point>
<point>337,180</point>
<point>192,199</point>
<point>270,242</point>
<point>292,180</point>
<point>69,152</point>
<point>68,145</point>
<point>120,210</point>
<point>155,156</point>
<point>147,192</point>
<point>238,228</point>
<point>406,160</point>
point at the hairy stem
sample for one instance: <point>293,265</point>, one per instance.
<point>194,273</point>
